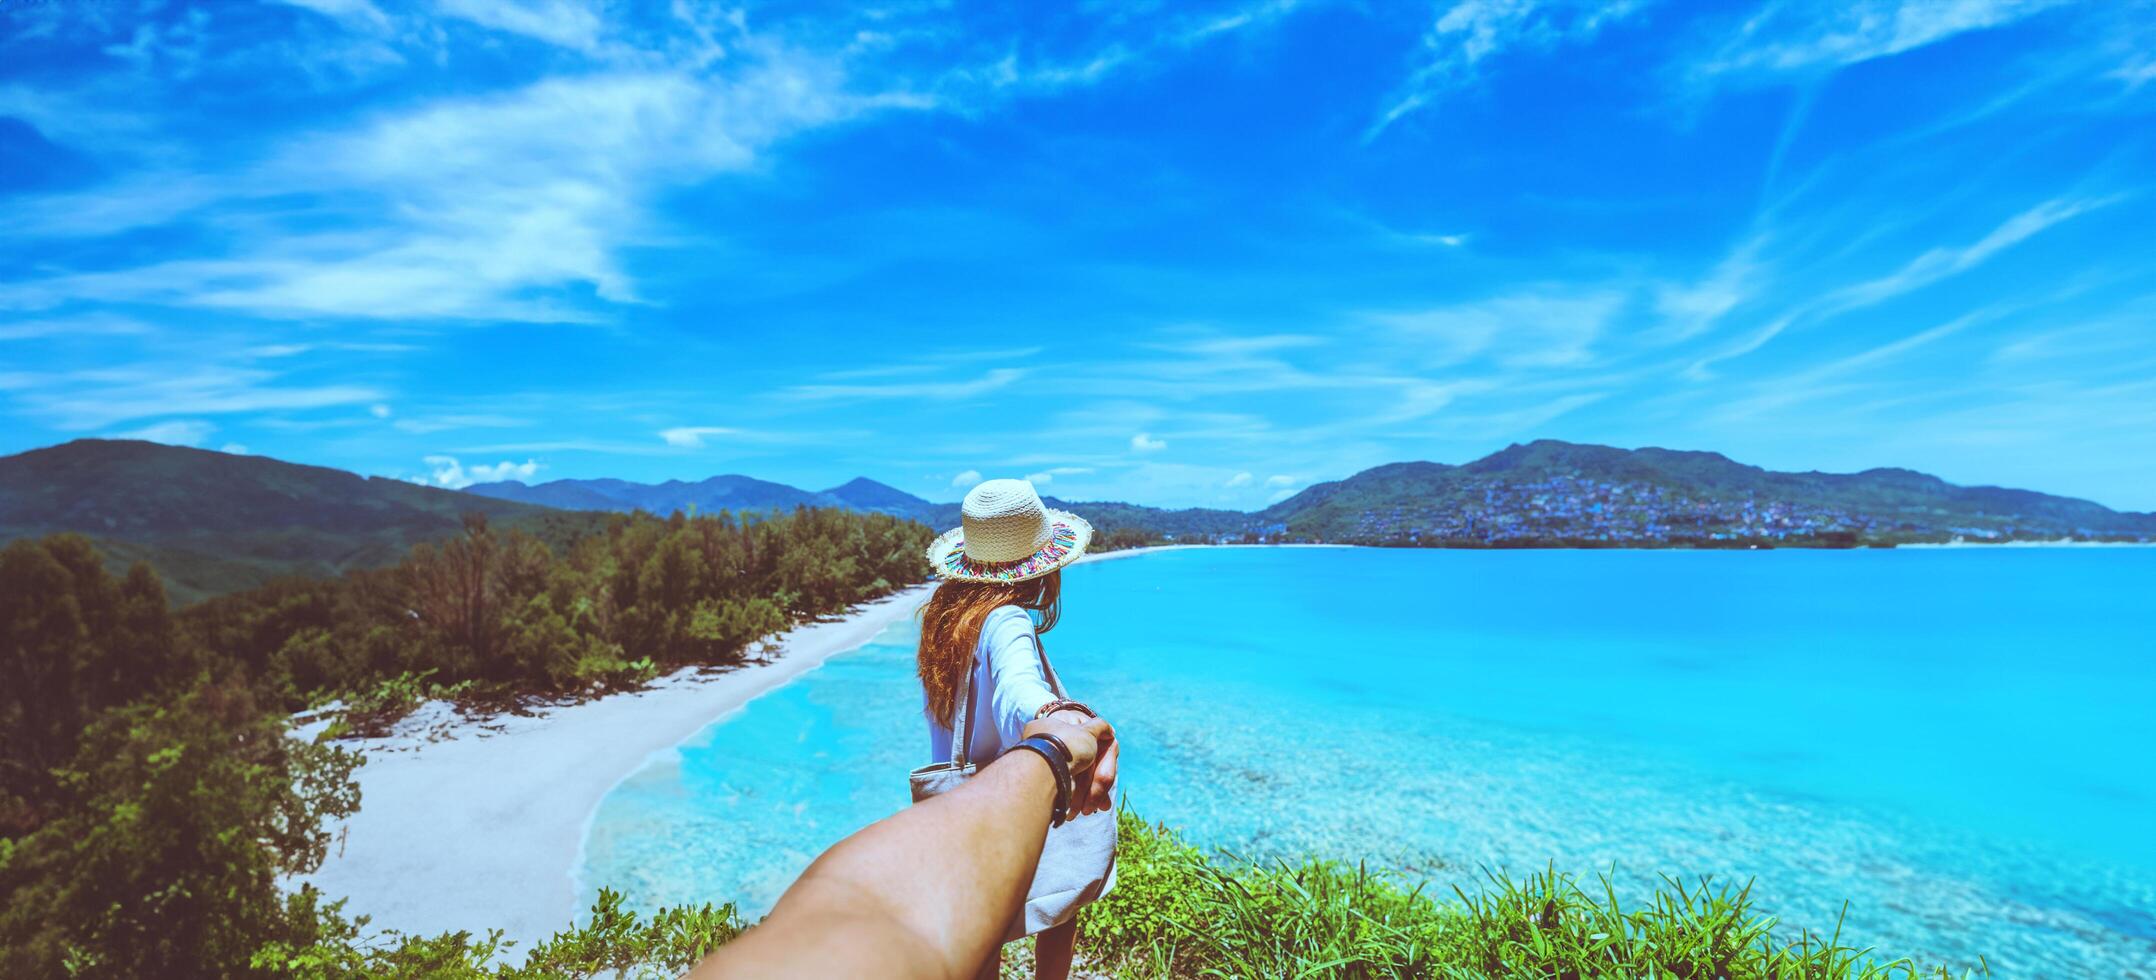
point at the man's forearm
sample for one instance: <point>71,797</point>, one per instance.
<point>927,892</point>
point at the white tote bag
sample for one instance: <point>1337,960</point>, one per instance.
<point>1077,862</point>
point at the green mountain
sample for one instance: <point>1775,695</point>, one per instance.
<point>862,493</point>
<point>709,496</point>
<point>214,522</point>
<point>1551,492</point>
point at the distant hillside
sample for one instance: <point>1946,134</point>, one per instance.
<point>215,522</point>
<point>1183,524</point>
<point>1550,492</point>
<point>862,493</point>
<point>709,496</point>
<point>741,493</point>
<point>1537,494</point>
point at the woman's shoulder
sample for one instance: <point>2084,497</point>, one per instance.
<point>1005,621</point>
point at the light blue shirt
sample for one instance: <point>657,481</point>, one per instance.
<point>1008,688</point>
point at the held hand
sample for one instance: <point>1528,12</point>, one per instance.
<point>1103,796</point>
<point>1093,768</point>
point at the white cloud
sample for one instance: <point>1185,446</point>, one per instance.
<point>493,207</point>
<point>94,324</point>
<point>559,22</point>
<point>1692,309</point>
<point>359,12</point>
<point>1279,496</point>
<point>1548,326</point>
<point>1240,18</point>
<point>442,423</point>
<point>1469,31</point>
<point>1934,265</point>
<point>966,479</point>
<point>93,398</point>
<point>2136,73</point>
<point>1145,443</point>
<point>1787,37</point>
<point>378,410</point>
<point>234,448</point>
<point>1041,479</point>
<point>1049,474</point>
<point>932,390</point>
<point>693,436</point>
<point>179,432</point>
<point>447,472</point>
<point>1280,480</point>
<point>1239,480</point>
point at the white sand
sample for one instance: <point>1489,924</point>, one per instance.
<point>461,827</point>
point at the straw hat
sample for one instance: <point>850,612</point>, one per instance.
<point>1007,535</point>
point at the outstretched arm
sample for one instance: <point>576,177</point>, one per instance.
<point>925,893</point>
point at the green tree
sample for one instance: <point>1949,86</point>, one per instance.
<point>73,642</point>
<point>176,820</point>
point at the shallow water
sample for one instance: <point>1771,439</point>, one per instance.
<point>1958,742</point>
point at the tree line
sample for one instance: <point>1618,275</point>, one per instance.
<point>149,796</point>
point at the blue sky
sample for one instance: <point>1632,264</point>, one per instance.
<point>1174,253</point>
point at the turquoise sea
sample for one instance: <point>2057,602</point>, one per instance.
<point>1959,742</point>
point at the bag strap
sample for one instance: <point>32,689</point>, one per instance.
<point>964,747</point>
<point>1055,684</point>
<point>961,752</point>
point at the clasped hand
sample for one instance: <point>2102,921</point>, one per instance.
<point>1093,757</point>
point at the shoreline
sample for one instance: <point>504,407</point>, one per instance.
<point>1154,549</point>
<point>462,828</point>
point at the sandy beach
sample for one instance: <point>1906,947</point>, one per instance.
<point>475,824</point>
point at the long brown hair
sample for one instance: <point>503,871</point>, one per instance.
<point>951,627</point>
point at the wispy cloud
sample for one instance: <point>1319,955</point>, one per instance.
<point>561,22</point>
<point>444,423</point>
<point>993,380</point>
<point>495,206</point>
<point>693,436</point>
<point>97,398</point>
<point>1144,442</point>
<point>1789,37</point>
<point>1932,266</point>
<point>1466,33</point>
<point>1546,326</point>
<point>87,325</point>
<point>1048,476</point>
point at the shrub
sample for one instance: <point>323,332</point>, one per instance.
<point>614,943</point>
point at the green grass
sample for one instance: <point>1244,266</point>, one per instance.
<point>1177,912</point>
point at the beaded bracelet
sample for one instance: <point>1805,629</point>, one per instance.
<point>1065,704</point>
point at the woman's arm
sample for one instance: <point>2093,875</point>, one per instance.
<point>1021,689</point>
<point>925,893</point>
<point>1017,687</point>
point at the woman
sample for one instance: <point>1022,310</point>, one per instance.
<point>1002,587</point>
